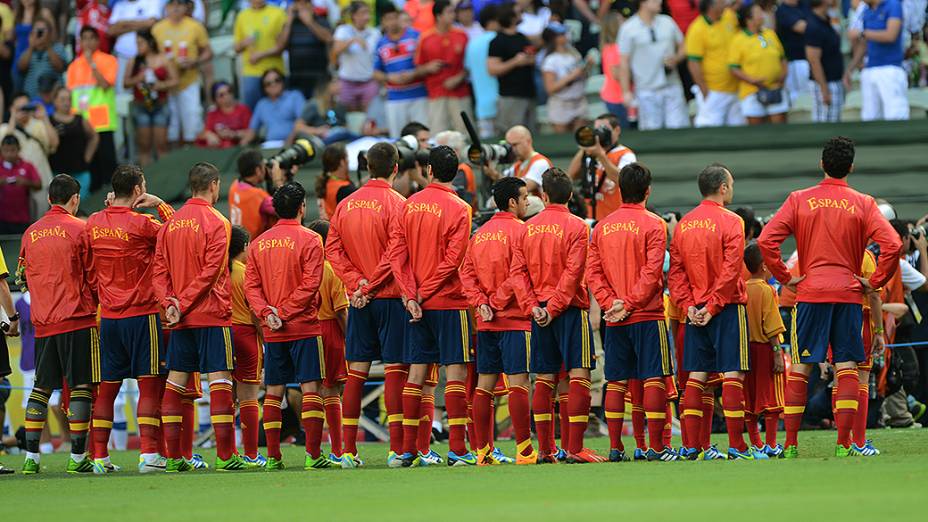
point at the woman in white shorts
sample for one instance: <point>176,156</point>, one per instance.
<point>757,59</point>
<point>564,72</point>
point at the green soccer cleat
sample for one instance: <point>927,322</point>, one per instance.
<point>233,463</point>
<point>84,466</point>
<point>319,462</point>
<point>842,452</point>
<point>30,467</point>
<point>104,466</point>
<point>274,464</point>
<point>176,466</point>
<point>790,452</point>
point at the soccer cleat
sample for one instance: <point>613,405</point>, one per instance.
<point>233,463</point>
<point>30,467</point>
<point>156,464</point>
<point>665,455</point>
<point>350,461</point>
<point>688,453</point>
<point>842,452</point>
<point>531,458</point>
<point>585,456</point>
<point>560,454</point>
<point>790,452</point>
<point>734,454</point>
<point>177,466</point>
<point>320,462</point>
<point>274,464</point>
<point>485,458</point>
<point>258,462</point>
<point>640,454</point>
<point>712,453</point>
<point>432,457</point>
<point>467,459</point>
<point>759,454</point>
<point>550,458</point>
<point>104,466</point>
<point>617,455</point>
<point>410,460</point>
<point>197,463</point>
<point>501,457</point>
<point>775,452</point>
<point>84,466</point>
<point>394,460</point>
<point>869,444</point>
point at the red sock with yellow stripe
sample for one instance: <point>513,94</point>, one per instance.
<point>691,417</point>
<point>351,409</point>
<point>188,427</point>
<point>456,405</point>
<point>519,412</point>
<point>272,423</point>
<point>636,393</point>
<point>312,415</point>
<point>750,422</point>
<point>426,415</point>
<point>412,404</point>
<point>151,388</point>
<point>846,403</point>
<point>222,414</point>
<point>394,380</point>
<point>771,420</point>
<point>541,409</point>
<point>614,406</point>
<point>102,422</point>
<point>172,418</point>
<point>578,412</point>
<point>249,415</point>
<point>483,418</point>
<point>797,390</point>
<point>333,417</point>
<point>655,409</point>
<point>733,408</point>
<point>668,424</point>
<point>708,416</point>
<point>563,411</point>
<point>860,418</point>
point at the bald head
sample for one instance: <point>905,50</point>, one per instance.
<point>520,138</point>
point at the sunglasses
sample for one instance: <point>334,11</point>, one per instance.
<point>268,83</point>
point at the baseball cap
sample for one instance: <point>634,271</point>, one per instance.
<point>557,28</point>
<point>464,4</point>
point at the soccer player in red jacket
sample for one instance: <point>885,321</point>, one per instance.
<point>282,281</point>
<point>191,275</point>
<point>359,235</point>
<point>429,241</point>
<point>625,272</point>
<point>549,261</point>
<point>53,259</point>
<point>706,260</point>
<point>122,242</point>
<point>832,224</point>
<point>503,327</point>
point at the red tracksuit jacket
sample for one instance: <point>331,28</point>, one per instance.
<point>123,245</point>
<point>485,274</point>
<point>550,259</point>
<point>626,262</point>
<point>285,266</point>
<point>832,224</point>
<point>429,243</point>
<point>359,235</point>
<point>192,265</point>
<point>706,255</point>
<point>56,256</point>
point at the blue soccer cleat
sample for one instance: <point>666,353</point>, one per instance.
<point>665,455</point>
<point>774,452</point>
<point>560,454</point>
<point>870,445</point>
<point>748,454</point>
<point>501,457</point>
<point>197,463</point>
<point>259,462</point>
<point>866,451</point>
<point>467,459</point>
<point>688,453</point>
<point>712,453</point>
<point>617,455</point>
<point>640,454</point>
<point>409,460</point>
<point>394,460</point>
<point>432,457</point>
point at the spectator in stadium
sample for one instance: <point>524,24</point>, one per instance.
<point>150,78</point>
<point>186,43</point>
<point>47,86</point>
<point>529,165</point>
<point>25,15</point>
<point>420,13</point>
<point>465,20</point>
<point>126,18</point>
<point>512,62</point>
<point>334,178</point>
<point>394,65</point>
<point>611,92</point>
<point>564,72</point>
<point>277,112</point>
<point>826,63</point>
<point>652,46</point>
<point>609,158</point>
<point>91,78</point>
<point>683,12</point>
<point>448,90</point>
<point>464,182</point>
<point>534,17</point>
<point>43,55</point>
<point>37,139</point>
<point>18,179</point>
<point>485,85</point>
<point>256,33</point>
<point>94,14</point>
<point>756,58</point>
<point>60,11</point>
<point>792,21</point>
<point>307,36</point>
<point>354,46</point>
<point>883,82</point>
<point>77,142</point>
<point>250,206</point>
<point>6,65</point>
<point>323,117</point>
<point>226,122</point>
<point>707,44</point>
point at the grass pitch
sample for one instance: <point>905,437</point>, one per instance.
<point>816,486</point>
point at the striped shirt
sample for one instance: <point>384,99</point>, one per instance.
<point>396,56</point>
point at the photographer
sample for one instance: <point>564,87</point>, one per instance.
<point>464,183</point>
<point>250,205</point>
<point>529,165</point>
<point>43,55</point>
<point>412,179</point>
<point>609,156</point>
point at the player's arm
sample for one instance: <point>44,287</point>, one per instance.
<point>681,292</point>
<point>338,257</point>
<point>384,269</point>
<point>339,298</point>
<point>254,291</point>
<point>313,267</point>
<point>164,289</point>
<point>695,50</point>
<point>475,295</point>
<point>519,281</point>
<point>888,35</point>
<point>86,255</point>
<point>650,281</point>
<point>772,237</point>
<point>217,250</point>
<point>880,231</point>
<point>457,241</point>
<point>732,262</point>
<point>572,276</point>
<point>398,253</point>
<point>772,321</point>
<point>596,276</point>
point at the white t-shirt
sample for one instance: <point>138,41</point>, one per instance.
<point>356,63</point>
<point>131,10</point>
<point>647,46</point>
<point>912,279</point>
<point>536,169</point>
<point>533,24</point>
<point>561,64</point>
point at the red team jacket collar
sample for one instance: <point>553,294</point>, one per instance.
<point>117,209</point>
<point>289,222</point>
<point>556,207</point>
<point>378,182</point>
<point>834,181</point>
<point>503,215</point>
<point>58,209</point>
<point>440,187</point>
<point>633,206</point>
<point>198,201</point>
<point>711,203</point>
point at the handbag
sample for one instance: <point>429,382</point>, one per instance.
<point>770,96</point>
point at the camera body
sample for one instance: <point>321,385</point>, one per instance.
<point>497,152</point>
<point>918,231</point>
<point>410,155</point>
<point>589,136</point>
<point>302,151</point>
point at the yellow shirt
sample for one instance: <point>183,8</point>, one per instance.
<point>265,24</point>
<point>241,314</point>
<point>764,321</point>
<point>188,37</point>
<point>867,268</point>
<point>708,42</point>
<point>3,269</point>
<point>334,298</point>
<point>758,56</point>
<point>6,18</point>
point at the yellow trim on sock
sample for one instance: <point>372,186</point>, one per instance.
<point>457,422</point>
<point>542,417</point>
<point>101,423</point>
<point>218,419</point>
<point>846,405</point>
<point>349,422</point>
<point>793,410</point>
<point>615,415</point>
<point>527,443</point>
<point>410,422</point>
<point>735,414</point>
<point>396,417</point>
<point>655,415</point>
<point>35,425</point>
<point>149,421</point>
<point>579,418</point>
<point>273,425</point>
<point>313,414</point>
<point>78,426</point>
<point>169,419</point>
<point>694,413</point>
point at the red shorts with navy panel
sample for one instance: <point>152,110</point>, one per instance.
<point>249,353</point>
<point>333,344</point>
<point>763,389</point>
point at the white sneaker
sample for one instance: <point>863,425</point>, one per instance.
<point>155,465</point>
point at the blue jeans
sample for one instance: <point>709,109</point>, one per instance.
<point>619,111</point>
<point>251,91</point>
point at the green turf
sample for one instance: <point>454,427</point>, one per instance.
<point>816,486</point>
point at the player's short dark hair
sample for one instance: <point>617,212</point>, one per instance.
<point>444,163</point>
<point>488,14</point>
<point>125,179</point>
<point>750,219</point>
<point>413,128</point>
<point>62,189</point>
<point>321,227</point>
<point>201,175</point>
<point>238,240</point>
<point>744,14</point>
<point>248,161</point>
<point>556,184</point>
<point>88,29</point>
<point>704,6</point>
<point>288,199</point>
<point>439,6</point>
<point>507,16</point>
<point>382,159</point>
<point>753,259</point>
<point>506,189</point>
<point>634,180</point>
<point>10,139</point>
<point>332,157</point>
<point>901,228</point>
<point>712,178</point>
<point>838,156</point>
<point>611,118</point>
